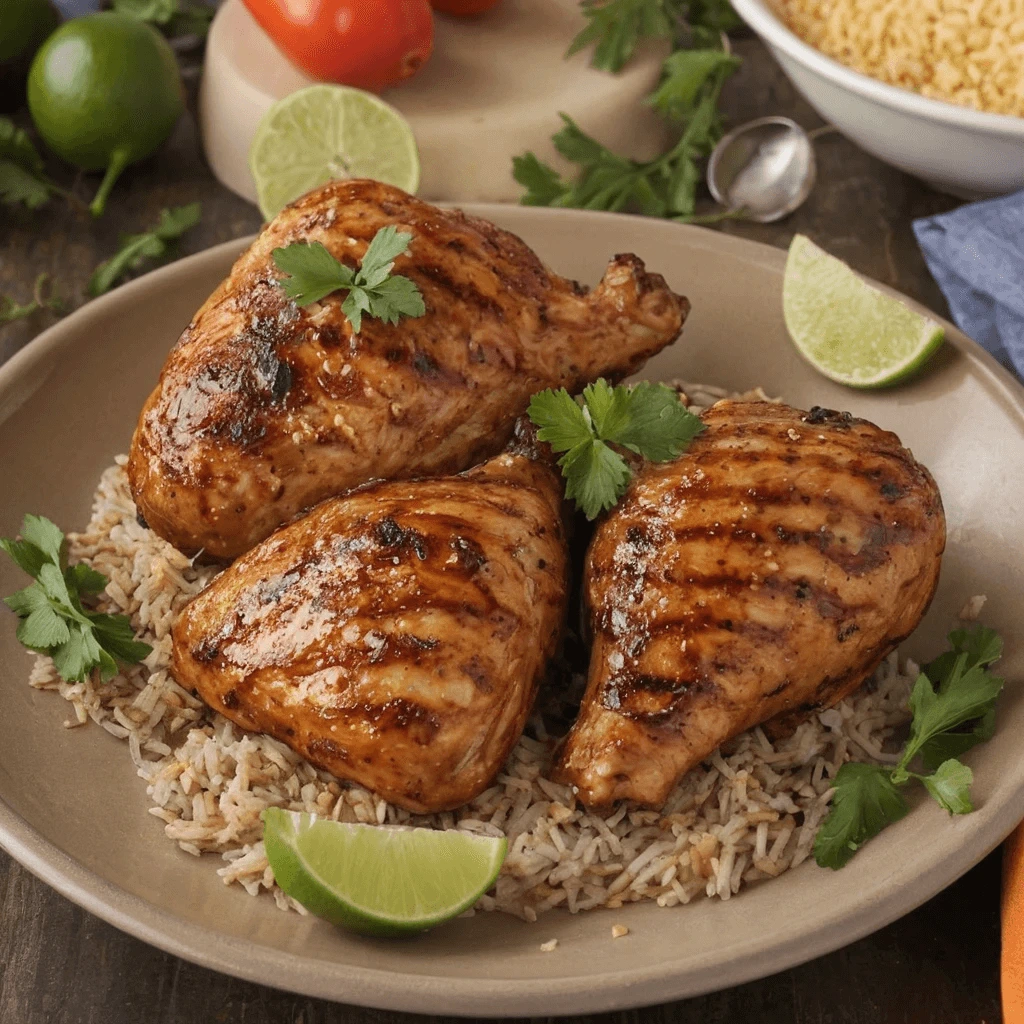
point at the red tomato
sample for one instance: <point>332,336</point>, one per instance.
<point>464,6</point>
<point>371,44</point>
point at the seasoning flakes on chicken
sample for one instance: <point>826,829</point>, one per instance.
<point>395,637</point>
<point>264,408</point>
<point>760,577</point>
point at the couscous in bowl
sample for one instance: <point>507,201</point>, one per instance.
<point>958,149</point>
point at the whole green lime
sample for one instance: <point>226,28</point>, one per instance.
<point>104,91</point>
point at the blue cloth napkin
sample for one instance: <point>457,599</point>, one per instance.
<point>976,254</point>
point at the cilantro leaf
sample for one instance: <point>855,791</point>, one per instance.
<point>385,247</point>
<point>24,602</point>
<point>52,618</point>
<point>117,636</point>
<point>950,785</point>
<point>18,185</point>
<point>966,694</point>
<point>356,303</point>
<point>11,310</point>
<point>394,298</point>
<point>953,705</point>
<point>156,243</point>
<point>26,556</point>
<point>663,187</point>
<point>561,420</point>
<point>708,19</point>
<point>41,533</point>
<point>43,628</point>
<point>685,73</point>
<point>544,186</point>
<point>596,476</point>
<point>981,646</point>
<point>23,177</point>
<point>172,16</point>
<point>647,419</point>
<point>313,274</point>
<point>866,800</point>
<point>16,146</point>
<point>617,26</point>
<point>157,12</point>
<point>86,580</point>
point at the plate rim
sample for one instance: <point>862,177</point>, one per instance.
<point>395,990</point>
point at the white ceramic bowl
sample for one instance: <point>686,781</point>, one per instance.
<point>955,149</point>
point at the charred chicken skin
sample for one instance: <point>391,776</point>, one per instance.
<point>758,578</point>
<point>395,637</point>
<point>264,409</point>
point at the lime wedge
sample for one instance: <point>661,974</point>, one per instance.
<point>376,879</point>
<point>851,332</point>
<point>326,132</point>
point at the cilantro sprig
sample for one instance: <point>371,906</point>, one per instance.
<point>54,620</point>
<point>616,27</point>
<point>663,187</point>
<point>953,705</point>
<point>155,244</point>
<point>372,289</point>
<point>23,179</point>
<point>43,297</point>
<point>647,419</point>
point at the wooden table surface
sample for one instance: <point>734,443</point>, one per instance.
<point>59,965</point>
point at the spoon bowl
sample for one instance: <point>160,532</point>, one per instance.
<point>766,169</point>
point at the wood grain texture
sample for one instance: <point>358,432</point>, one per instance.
<point>59,965</point>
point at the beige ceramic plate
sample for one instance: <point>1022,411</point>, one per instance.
<point>73,811</point>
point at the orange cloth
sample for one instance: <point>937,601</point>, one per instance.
<point>1013,928</point>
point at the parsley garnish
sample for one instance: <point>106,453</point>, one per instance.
<point>663,187</point>
<point>953,704</point>
<point>618,25</point>
<point>53,619</point>
<point>314,274</point>
<point>157,243</point>
<point>647,419</point>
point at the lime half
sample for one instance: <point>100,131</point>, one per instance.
<point>376,879</point>
<point>326,132</point>
<point>851,332</point>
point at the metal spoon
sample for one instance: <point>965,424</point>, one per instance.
<point>765,169</point>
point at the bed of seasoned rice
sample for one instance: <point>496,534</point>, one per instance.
<point>749,813</point>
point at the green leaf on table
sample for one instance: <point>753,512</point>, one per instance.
<point>154,244</point>
<point>21,186</point>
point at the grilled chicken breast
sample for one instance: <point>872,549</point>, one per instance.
<point>264,408</point>
<point>759,577</point>
<point>396,636</point>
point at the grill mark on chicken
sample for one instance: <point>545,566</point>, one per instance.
<point>396,636</point>
<point>712,612</point>
<point>263,408</point>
